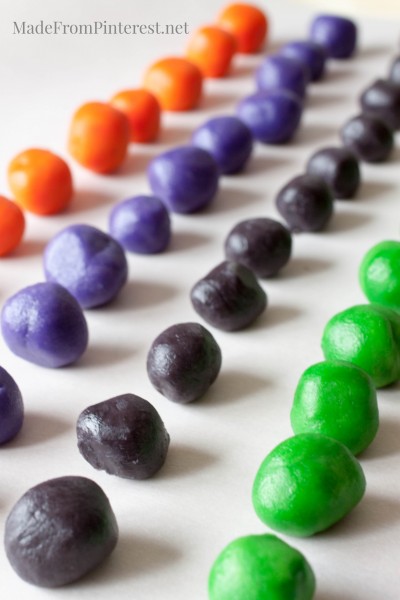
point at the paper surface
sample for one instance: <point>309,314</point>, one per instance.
<point>173,526</point>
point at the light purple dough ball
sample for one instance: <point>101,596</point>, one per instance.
<point>338,35</point>
<point>185,178</point>
<point>89,263</point>
<point>141,224</point>
<point>11,407</point>
<point>228,140</point>
<point>311,54</point>
<point>281,72</point>
<point>45,325</point>
<point>272,117</point>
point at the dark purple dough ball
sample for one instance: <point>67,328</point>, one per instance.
<point>382,99</point>
<point>368,137</point>
<point>311,54</point>
<point>279,71</point>
<point>11,407</point>
<point>141,224</point>
<point>263,245</point>
<point>229,297</point>
<point>273,117</point>
<point>123,436</point>
<point>185,178</point>
<point>336,34</point>
<point>60,530</point>
<point>89,263</point>
<point>183,361</point>
<point>394,72</point>
<point>228,140</point>
<point>306,203</point>
<point>339,168</point>
<point>44,324</point>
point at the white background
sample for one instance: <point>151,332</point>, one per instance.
<point>173,526</point>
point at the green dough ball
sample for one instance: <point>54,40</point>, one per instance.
<point>336,399</point>
<point>367,335</point>
<point>380,274</point>
<point>306,484</point>
<point>261,567</point>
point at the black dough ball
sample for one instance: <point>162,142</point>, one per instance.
<point>263,245</point>
<point>60,530</point>
<point>394,73</point>
<point>368,137</point>
<point>382,99</point>
<point>123,436</point>
<point>229,297</point>
<point>183,361</point>
<point>339,168</point>
<point>306,203</point>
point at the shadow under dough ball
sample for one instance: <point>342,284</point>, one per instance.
<point>183,361</point>
<point>123,436</point>
<point>60,530</point>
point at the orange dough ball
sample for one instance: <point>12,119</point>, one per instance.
<point>247,23</point>
<point>143,112</point>
<point>99,137</point>
<point>12,225</point>
<point>176,83</point>
<point>41,181</point>
<point>212,48</point>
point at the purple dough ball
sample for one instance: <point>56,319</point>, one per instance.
<point>306,203</point>
<point>336,34</point>
<point>382,99</point>
<point>141,224</point>
<point>59,531</point>
<point>183,361</point>
<point>185,178</point>
<point>263,245</point>
<point>124,436</point>
<point>311,54</point>
<point>229,297</point>
<point>228,140</point>
<point>272,117</point>
<point>11,407</point>
<point>279,72</point>
<point>394,72</point>
<point>368,137</point>
<point>45,325</point>
<point>89,263</point>
<point>339,168</point>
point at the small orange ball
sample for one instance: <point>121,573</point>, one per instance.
<point>12,225</point>
<point>99,136</point>
<point>247,23</point>
<point>143,112</point>
<point>176,83</point>
<point>41,181</point>
<point>212,48</point>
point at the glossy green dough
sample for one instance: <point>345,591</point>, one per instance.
<point>306,484</point>
<point>380,274</point>
<point>336,399</point>
<point>261,567</point>
<point>367,335</point>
